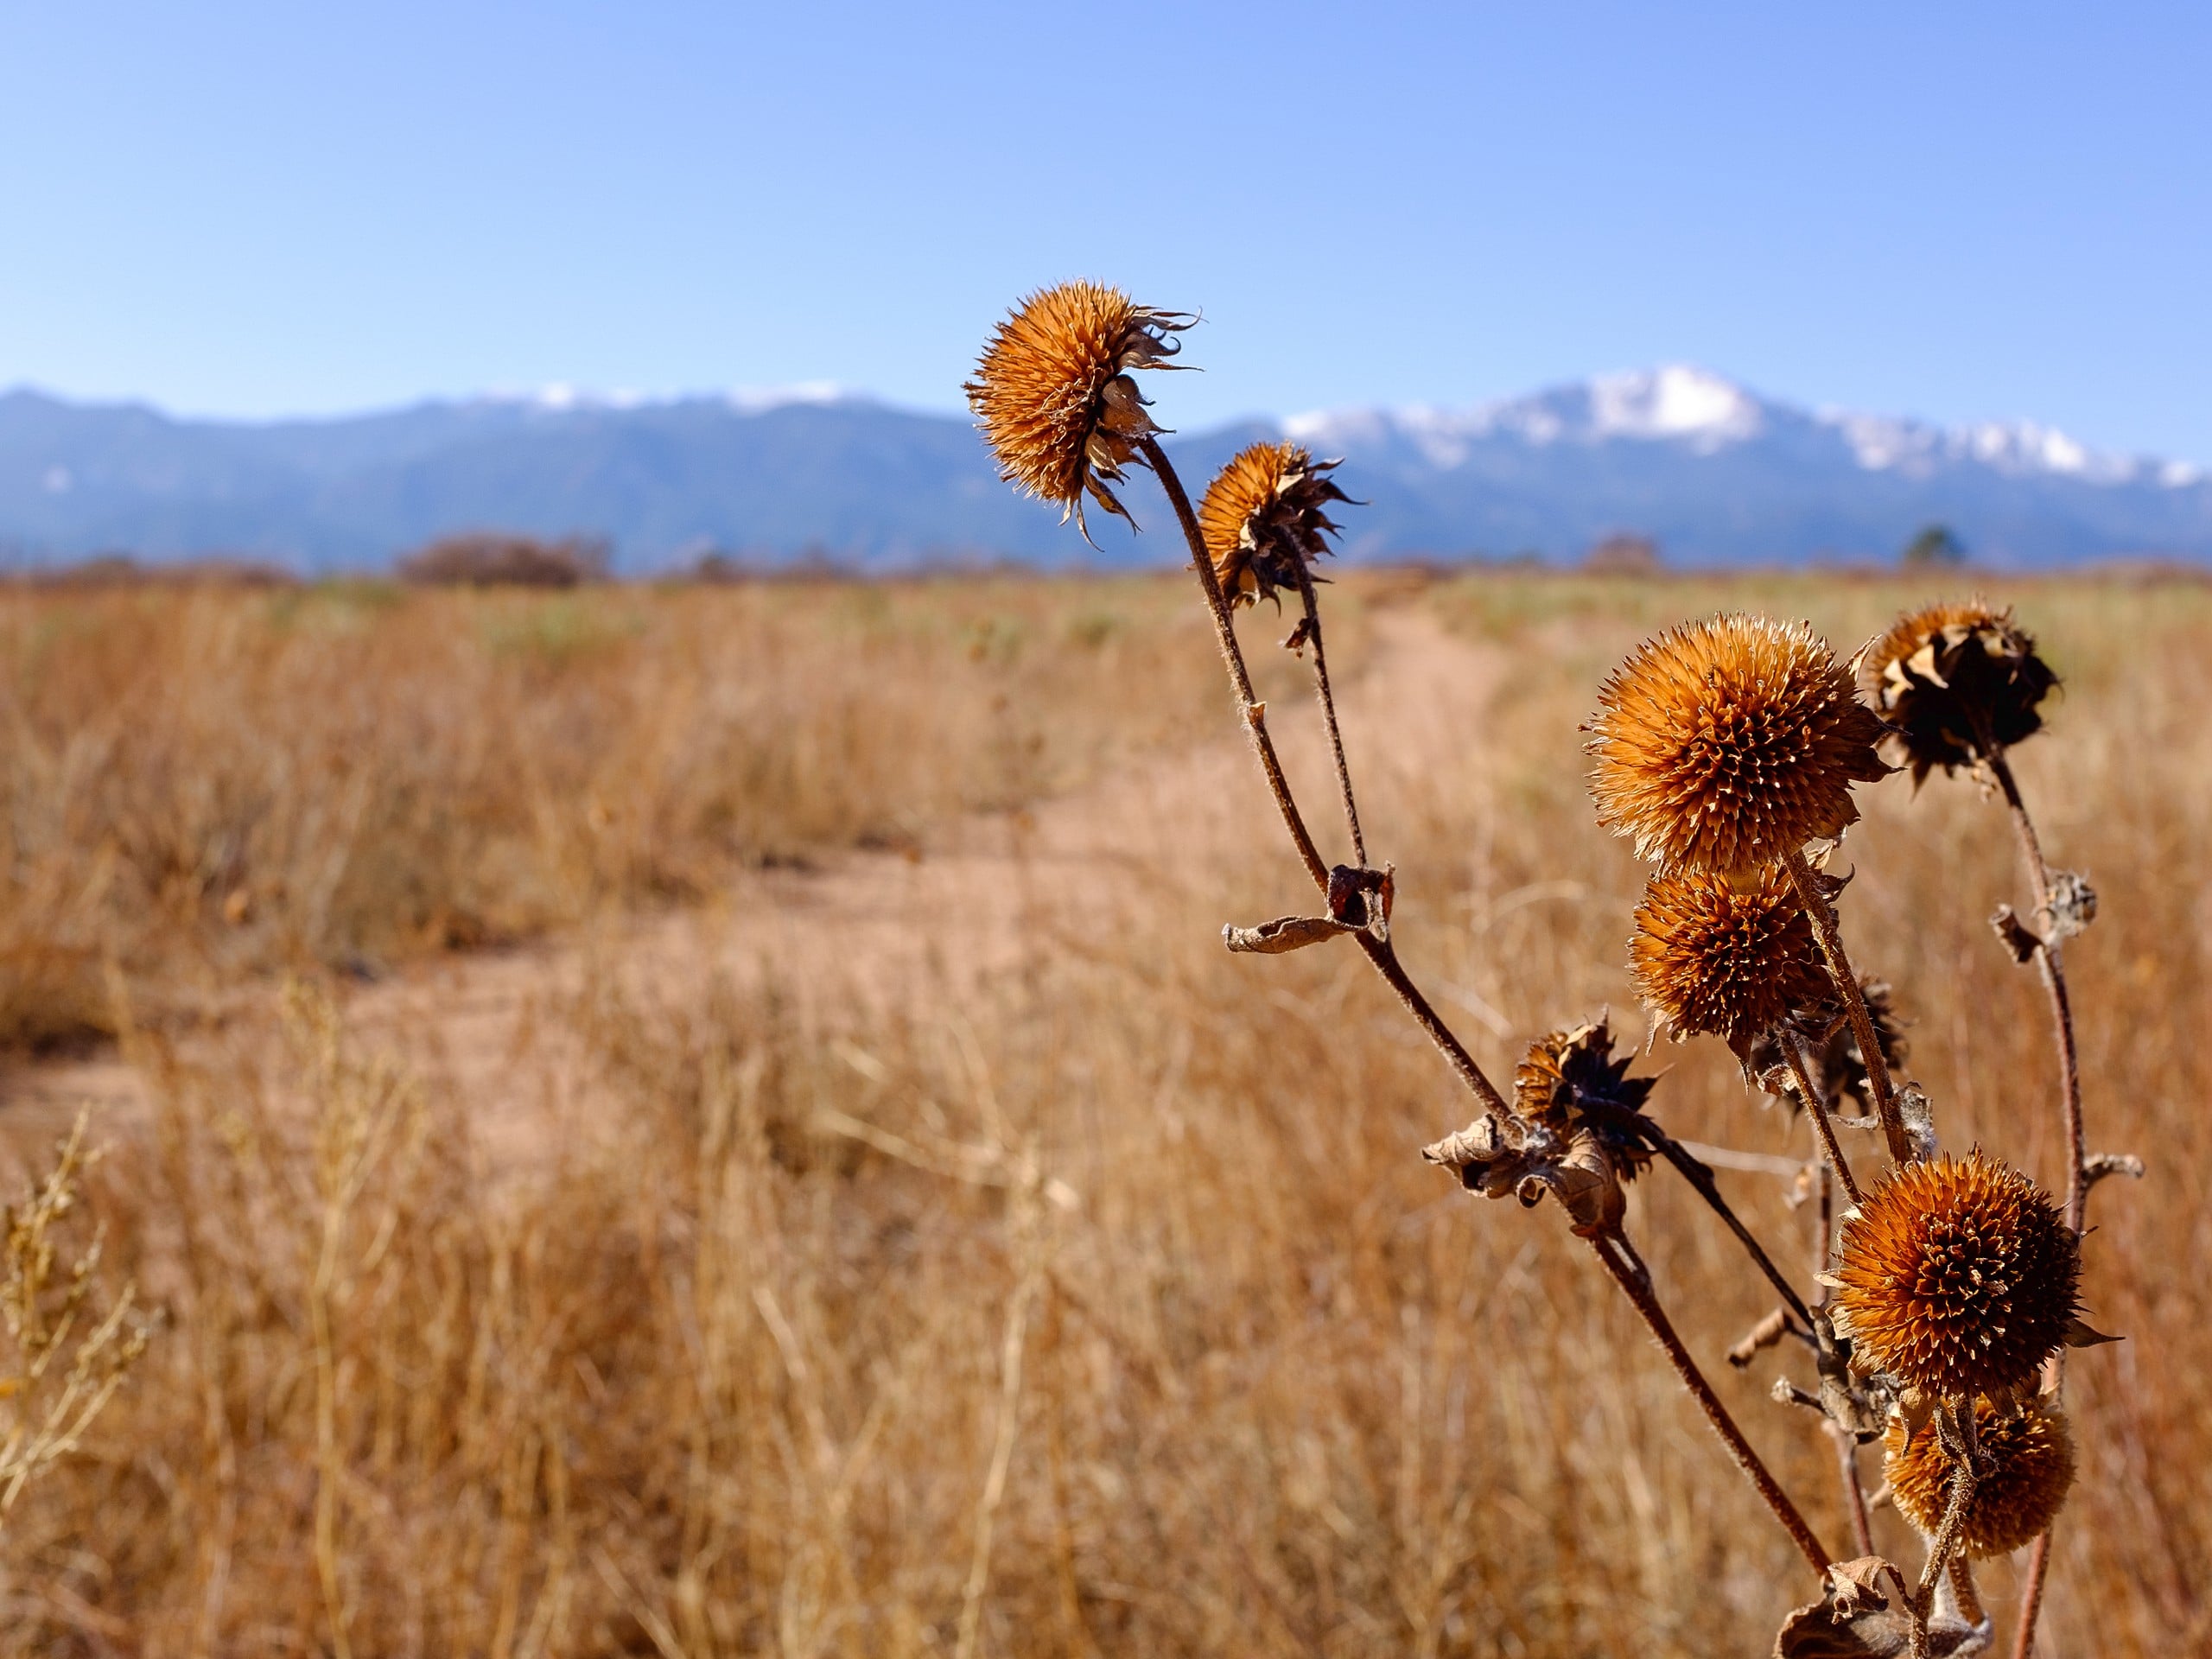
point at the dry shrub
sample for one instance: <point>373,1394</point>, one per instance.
<point>202,783</point>
<point>1108,1310</point>
<point>490,559</point>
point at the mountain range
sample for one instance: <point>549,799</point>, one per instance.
<point>1716,475</point>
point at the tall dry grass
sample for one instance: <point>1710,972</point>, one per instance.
<point>204,782</point>
<point>1108,1310</point>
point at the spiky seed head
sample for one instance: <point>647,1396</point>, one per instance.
<point>1053,395</point>
<point>1953,682</point>
<point>1955,1276</point>
<point>1570,1082</point>
<point>1725,958</point>
<point>1839,1069</point>
<point>1723,745</point>
<point>1264,514</point>
<point>2026,1467</point>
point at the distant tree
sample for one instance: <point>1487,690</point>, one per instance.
<point>1622,555</point>
<point>492,559</point>
<point>1934,549</point>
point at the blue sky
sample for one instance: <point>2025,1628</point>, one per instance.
<point>1958,212</point>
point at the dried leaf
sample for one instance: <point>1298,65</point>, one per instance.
<point>2097,1166</point>
<point>1283,934</point>
<point>2073,904</point>
<point>2079,1334</point>
<point>1854,1620</point>
<point>2014,932</point>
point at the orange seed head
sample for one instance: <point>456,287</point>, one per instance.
<point>1723,745</point>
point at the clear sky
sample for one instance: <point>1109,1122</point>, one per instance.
<point>1959,212</point>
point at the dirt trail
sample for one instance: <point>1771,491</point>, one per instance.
<point>881,928</point>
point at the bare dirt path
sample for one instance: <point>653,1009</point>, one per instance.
<point>890,928</point>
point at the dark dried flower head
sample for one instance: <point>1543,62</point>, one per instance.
<point>1570,1081</point>
<point>1709,956</point>
<point>1725,743</point>
<point>1053,395</point>
<point>2024,1468</point>
<point>1264,516</point>
<point>1954,683</point>
<point>1955,1276</point>
<point>1839,1069</point>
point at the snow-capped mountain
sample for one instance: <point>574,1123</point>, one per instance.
<point>1715,473</point>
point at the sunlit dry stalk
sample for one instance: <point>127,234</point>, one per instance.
<point>1378,951</point>
<point>1816,1108</point>
<point>1822,915</point>
<point>1635,1280</point>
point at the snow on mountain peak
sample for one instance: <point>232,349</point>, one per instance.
<point>1677,401</point>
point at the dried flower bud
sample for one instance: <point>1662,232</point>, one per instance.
<point>1264,516</point>
<point>1498,1156</point>
<point>1053,395</point>
<point>1953,682</point>
<point>1709,957</point>
<point>1570,1081</point>
<point>2024,1466</point>
<point>1723,744</point>
<point>1955,1276</point>
<point>1838,1070</point>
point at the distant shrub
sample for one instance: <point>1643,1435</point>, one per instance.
<point>124,570</point>
<point>490,559</point>
<point>1623,556</point>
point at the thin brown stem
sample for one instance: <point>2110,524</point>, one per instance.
<point>1854,1003</point>
<point>1816,1106</point>
<point>2050,960</point>
<point>2024,1639</point>
<point>1699,1176</point>
<point>1384,956</point>
<point>2051,968</point>
<point>1329,712</point>
<point>1968,1592</point>
<point>1854,1494</point>
<point>1630,1274</point>
<point>1378,951</point>
<point>1253,710</point>
<point>1939,1549</point>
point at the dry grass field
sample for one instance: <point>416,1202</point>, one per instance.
<point>717,1121</point>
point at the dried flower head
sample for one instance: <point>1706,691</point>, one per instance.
<point>1264,518</point>
<point>1569,1081</point>
<point>1053,395</point>
<point>2024,1468</point>
<point>1735,962</point>
<point>1723,744</point>
<point>1839,1069</point>
<point>1955,1276</point>
<point>1954,683</point>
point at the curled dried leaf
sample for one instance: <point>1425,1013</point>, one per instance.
<point>2017,938</point>
<point>1497,1156</point>
<point>1284,934</point>
<point>2099,1164</point>
<point>2073,904</point>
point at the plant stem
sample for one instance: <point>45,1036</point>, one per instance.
<point>1854,1495</point>
<point>1633,1278</point>
<point>1699,1176</point>
<point>1801,1067</point>
<point>2050,960</point>
<point>1225,629</point>
<point>1378,951</point>
<point>1854,1003</point>
<point>1384,956</point>
<point>2051,967</point>
<point>1329,711</point>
